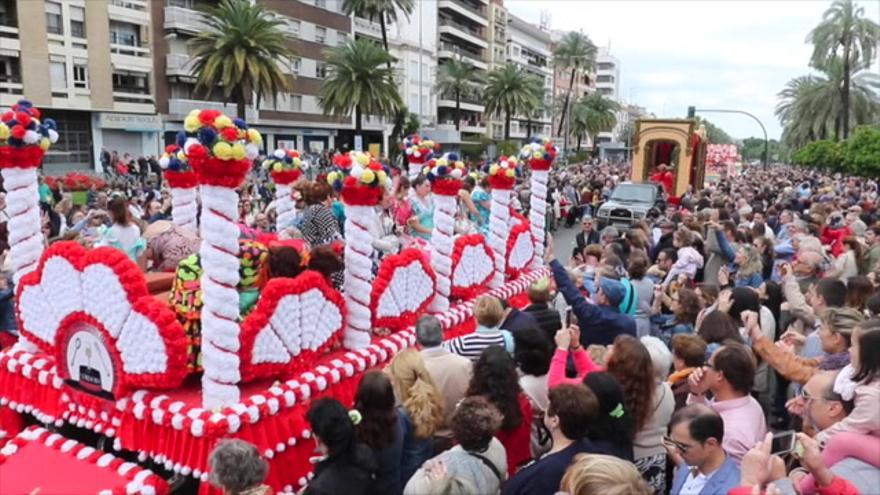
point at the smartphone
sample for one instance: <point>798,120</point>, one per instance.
<point>783,442</point>
<point>569,317</point>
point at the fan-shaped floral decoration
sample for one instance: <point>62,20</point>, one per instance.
<point>539,154</point>
<point>403,289</point>
<point>362,181</point>
<point>520,249</point>
<point>418,152</point>
<point>285,168</point>
<point>473,264</point>
<point>76,298</point>
<point>295,321</point>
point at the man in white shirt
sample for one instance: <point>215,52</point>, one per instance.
<point>694,442</point>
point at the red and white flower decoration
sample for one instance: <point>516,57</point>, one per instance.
<point>520,249</point>
<point>472,266</point>
<point>403,289</point>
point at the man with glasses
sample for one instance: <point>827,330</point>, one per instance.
<point>703,468</point>
<point>588,235</point>
<point>818,404</point>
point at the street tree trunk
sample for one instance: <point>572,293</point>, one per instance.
<point>241,104</point>
<point>457,110</point>
<point>580,137</point>
<point>358,118</point>
<point>845,90</point>
<point>507,124</point>
<point>385,36</point>
<point>567,100</point>
<point>528,127</point>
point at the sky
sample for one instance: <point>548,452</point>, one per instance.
<point>708,54</point>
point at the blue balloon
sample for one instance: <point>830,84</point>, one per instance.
<point>51,124</point>
<point>180,138</point>
<point>207,136</point>
<point>442,170</point>
<point>453,157</point>
<point>240,123</point>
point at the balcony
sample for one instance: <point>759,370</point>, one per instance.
<point>178,64</point>
<point>470,104</point>
<point>133,11</point>
<point>473,127</point>
<point>477,15</point>
<point>184,20</point>
<point>450,50</point>
<point>367,27</point>
<point>470,34</point>
<point>11,85</point>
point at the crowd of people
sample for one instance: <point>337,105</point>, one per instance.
<point>727,343</point>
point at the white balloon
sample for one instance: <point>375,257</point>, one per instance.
<point>31,137</point>
<point>251,151</point>
<point>189,142</point>
<point>53,136</point>
<point>164,161</point>
<point>279,154</point>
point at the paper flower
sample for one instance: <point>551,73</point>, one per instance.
<point>23,137</point>
<point>359,177</point>
<point>503,173</point>
<point>285,166</point>
<point>539,153</point>
<point>418,150</point>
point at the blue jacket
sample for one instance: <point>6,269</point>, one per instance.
<point>599,324</point>
<point>724,480</point>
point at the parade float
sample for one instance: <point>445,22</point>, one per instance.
<point>100,354</point>
<point>670,152</point>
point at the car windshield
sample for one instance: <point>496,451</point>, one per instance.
<point>640,194</point>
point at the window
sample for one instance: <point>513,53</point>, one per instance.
<point>123,33</point>
<point>80,76</point>
<point>341,37</point>
<point>296,103</point>
<point>77,22</point>
<point>320,35</point>
<point>294,27</point>
<point>181,91</point>
<point>267,103</point>
<point>54,22</point>
<point>58,75</point>
<point>9,70</point>
<point>321,70</point>
<point>296,65</point>
<point>131,82</point>
<point>8,16</point>
<point>187,4</point>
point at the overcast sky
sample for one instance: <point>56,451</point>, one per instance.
<point>711,54</point>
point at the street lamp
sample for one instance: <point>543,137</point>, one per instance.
<point>692,110</point>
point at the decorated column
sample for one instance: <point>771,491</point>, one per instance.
<point>418,152</point>
<point>445,175</point>
<point>285,168</point>
<point>540,154</point>
<point>24,142</point>
<point>220,160</point>
<point>183,183</point>
<point>362,182</point>
<point>502,177</point>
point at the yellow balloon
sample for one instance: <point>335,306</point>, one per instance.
<point>278,167</point>
<point>44,144</point>
<point>254,136</point>
<point>4,132</point>
<point>238,151</point>
<point>332,176</point>
<point>222,122</point>
<point>191,124</point>
<point>223,151</point>
<point>363,159</point>
<point>194,113</point>
<point>511,173</point>
<point>493,170</point>
<point>383,177</point>
<point>368,176</point>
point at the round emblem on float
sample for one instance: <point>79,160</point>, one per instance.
<point>88,361</point>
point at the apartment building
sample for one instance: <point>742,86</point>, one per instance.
<point>463,33</point>
<point>87,64</point>
<point>608,85</point>
<point>530,49</point>
<point>292,120</point>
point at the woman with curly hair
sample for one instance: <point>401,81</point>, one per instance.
<point>421,409</point>
<point>380,429</point>
<point>749,267</point>
<point>685,306</point>
<point>495,378</point>
<point>649,400</point>
<point>238,468</point>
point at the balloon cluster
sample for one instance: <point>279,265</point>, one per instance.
<point>419,150</point>
<point>503,173</point>
<point>174,159</point>
<point>283,161</point>
<point>448,166</point>
<point>539,149</point>
<point>210,133</point>
<point>357,169</point>
<point>21,127</point>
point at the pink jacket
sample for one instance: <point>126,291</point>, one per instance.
<point>689,261</point>
<point>582,363</point>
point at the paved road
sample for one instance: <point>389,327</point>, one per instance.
<point>563,242</point>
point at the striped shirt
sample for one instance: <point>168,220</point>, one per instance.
<point>472,345</point>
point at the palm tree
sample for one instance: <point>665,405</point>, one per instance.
<point>508,89</point>
<point>241,50</point>
<point>809,107</point>
<point>593,114</point>
<point>357,81</point>
<point>574,51</point>
<point>459,78</point>
<point>844,34</point>
<point>384,10</point>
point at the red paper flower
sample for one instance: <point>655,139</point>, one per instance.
<point>403,289</point>
<point>472,256</point>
